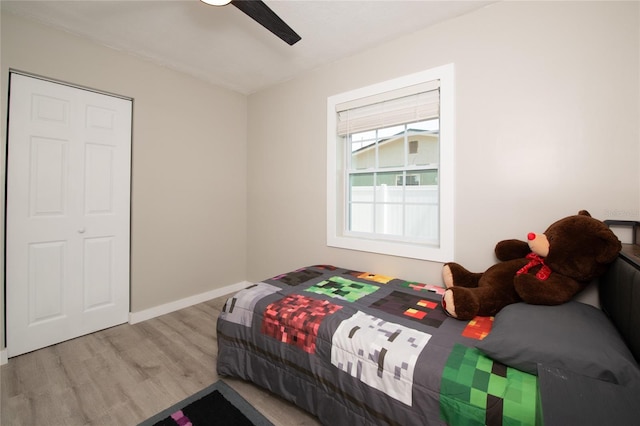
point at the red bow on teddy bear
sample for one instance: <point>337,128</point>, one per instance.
<point>543,273</point>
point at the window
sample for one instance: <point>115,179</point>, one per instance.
<point>413,147</point>
<point>390,167</point>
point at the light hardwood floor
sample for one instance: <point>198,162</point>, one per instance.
<point>126,374</point>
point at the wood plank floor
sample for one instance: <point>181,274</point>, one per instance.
<point>126,374</point>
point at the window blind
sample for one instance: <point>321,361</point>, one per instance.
<point>409,104</point>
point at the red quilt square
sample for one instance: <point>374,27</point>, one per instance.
<point>296,319</point>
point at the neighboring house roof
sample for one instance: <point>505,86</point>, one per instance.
<point>396,137</point>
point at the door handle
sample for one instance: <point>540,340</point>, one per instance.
<point>81,231</point>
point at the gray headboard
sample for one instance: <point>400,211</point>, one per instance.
<point>619,292</point>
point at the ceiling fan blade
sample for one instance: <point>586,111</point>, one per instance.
<point>262,14</point>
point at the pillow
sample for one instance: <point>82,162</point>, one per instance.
<point>572,336</point>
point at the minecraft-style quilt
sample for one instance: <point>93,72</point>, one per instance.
<point>356,348</point>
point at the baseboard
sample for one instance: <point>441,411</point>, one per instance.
<point>3,356</point>
<point>135,317</point>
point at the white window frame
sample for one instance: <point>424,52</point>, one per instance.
<point>337,235</point>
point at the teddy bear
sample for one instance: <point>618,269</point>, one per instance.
<point>549,269</point>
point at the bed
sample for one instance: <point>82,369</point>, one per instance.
<point>359,348</point>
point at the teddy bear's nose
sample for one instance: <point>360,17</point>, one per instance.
<point>531,236</point>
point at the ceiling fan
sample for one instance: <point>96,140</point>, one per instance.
<point>262,14</point>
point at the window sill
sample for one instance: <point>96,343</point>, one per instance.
<point>392,248</point>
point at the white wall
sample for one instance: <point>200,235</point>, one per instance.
<point>188,225</point>
<point>547,122</point>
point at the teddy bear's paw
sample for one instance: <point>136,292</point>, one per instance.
<point>447,275</point>
<point>455,275</point>
<point>461,303</point>
<point>448,304</point>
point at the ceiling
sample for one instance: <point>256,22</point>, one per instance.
<point>225,47</point>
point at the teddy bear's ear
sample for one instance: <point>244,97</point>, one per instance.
<point>611,247</point>
<point>583,213</point>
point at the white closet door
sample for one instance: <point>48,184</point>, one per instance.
<point>68,213</point>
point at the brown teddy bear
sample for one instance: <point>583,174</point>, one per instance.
<point>548,270</point>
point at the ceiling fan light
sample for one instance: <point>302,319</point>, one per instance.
<point>216,2</point>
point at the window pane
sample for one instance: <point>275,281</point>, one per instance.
<point>424,140</point>
<point>389,132</point>
<point>386,189</point>
<point>391,147</point>
<point>422,222</point>
<point>363,154</point>
<point>429,177</point>
<point>361,187</point>
<point>389,219</point>
<point>361,218</point>
<point>369,135</point>
<point>422,194</point>
<point>430,125</point>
